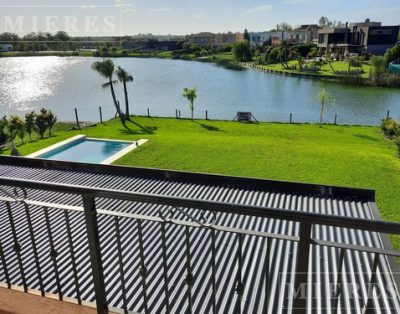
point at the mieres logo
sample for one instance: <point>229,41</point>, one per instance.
<point>85,20</point>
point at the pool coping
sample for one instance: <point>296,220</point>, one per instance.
<point>109,160</point>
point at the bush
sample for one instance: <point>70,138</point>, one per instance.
<point>391,128</point>
<point>242,51</point>
<point>41,122</point>
<point>17,127</point>
<point>4,136</point>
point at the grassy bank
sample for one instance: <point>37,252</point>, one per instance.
<point>351,156</point>
<point>326,69</point>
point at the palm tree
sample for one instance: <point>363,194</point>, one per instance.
<point>190,94</point>
<point>124,77</point>
<point>106,69</point>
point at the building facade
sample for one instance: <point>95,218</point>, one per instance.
<point>305,34</point>
<point>6,47</point>
<point>226,39</point>
<point>360,38</point>
<point>276,38</point>
<point>202,39</point>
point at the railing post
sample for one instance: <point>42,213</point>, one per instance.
<point>303,256</point>
<point>95,253</point>
<point>77,119</point>
<point>101,115</point>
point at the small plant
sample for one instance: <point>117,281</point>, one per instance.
<point>326,101</point>
<point>4,135</point>
<point>51,120</point>
<point>17,128</point>
<point>41,122</point>
<point>190,94</point>
<point>30,124</point>
<point>390,128</point>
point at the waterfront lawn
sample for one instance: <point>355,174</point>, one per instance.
<point>351,156</point>
<point>325,69</point>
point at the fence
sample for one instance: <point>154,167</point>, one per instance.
<point>42,233</point>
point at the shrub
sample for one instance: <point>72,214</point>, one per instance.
<point>4,136</point>
<point>30,123</point>
<point>51,120</point>
<point>17,127</point>
<point>41,122</point>
<point>390,127</point>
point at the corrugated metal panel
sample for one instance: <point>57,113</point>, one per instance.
<point>324,260</point>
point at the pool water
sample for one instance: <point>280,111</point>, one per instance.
<point>86,150</point>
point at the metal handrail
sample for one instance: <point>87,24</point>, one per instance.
<point>89,194</point>
<point>233,208</point>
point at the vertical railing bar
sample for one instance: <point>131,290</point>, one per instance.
<point>3,261</point>
<point>240,286</point>
<point>35,253</point>
<point>339,281</point>
<point>189,275</point>
<point>214,271</point>
<point>73,258</point>
<point>121,262</point>
<point>17,246</point>
<point>302,263</point>
<point>95,253</point>
<point>372,283</point>
<point>143,269</point>
<point>165,265</point>
<point>267,275</point>
<point>53,254</point>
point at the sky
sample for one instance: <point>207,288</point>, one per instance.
<point>180,17</point>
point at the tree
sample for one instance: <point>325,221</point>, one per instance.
<point>17,127</point>
<point>30,123</point>
<point>284,27</point>
<point>246,35</point>
<point>124,77</point>
<point>190,94</point>
<point>326,101</point>
<point>4,135</point>
<point>242,51</point>
<point>379,69</point>
<point>324,22</point>
<point>51,120</point>
<point>106,69</point>
<point>392,55</point>
<point>41,122</point>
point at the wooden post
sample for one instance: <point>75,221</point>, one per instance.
<point>179,114</point>
<point>148,112</point>
<point>388,114</point>
<point>77,119</point>
<point>176,113</point>
<point>291,118</point>
<point>101,115</point>
<point>206,114</point>
<point>335,119</point>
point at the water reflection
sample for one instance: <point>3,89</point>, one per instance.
<point>64,83</point>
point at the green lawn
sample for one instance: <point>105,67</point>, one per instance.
<point>351,156</point>
<point>325,69</point>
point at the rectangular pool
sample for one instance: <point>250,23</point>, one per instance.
<point>87,150</point>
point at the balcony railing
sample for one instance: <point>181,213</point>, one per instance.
<point>17,198</point>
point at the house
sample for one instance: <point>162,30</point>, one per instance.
<point>202,39</point>
<point>6,47</point>
<point>226,39</point>
<point>259,38</point>
<point>361,38</point>
<point>162,45</point>
<point>304,34</point>
<point>138,240</point>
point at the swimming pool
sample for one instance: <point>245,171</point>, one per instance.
<point>88,150</point>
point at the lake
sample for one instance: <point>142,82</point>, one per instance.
<point>62,84</point>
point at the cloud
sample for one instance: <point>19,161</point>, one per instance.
<point>300,1</point>
<point>160,10</point>
<point>260,8</point>
<point>125,8</point>
<point>199,16</point>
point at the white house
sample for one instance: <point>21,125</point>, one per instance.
<point>259,38</point>
<point>6,47</point>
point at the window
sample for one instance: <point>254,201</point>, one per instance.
<point>381,32</point>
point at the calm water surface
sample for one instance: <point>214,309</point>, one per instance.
<point>64,83</point>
